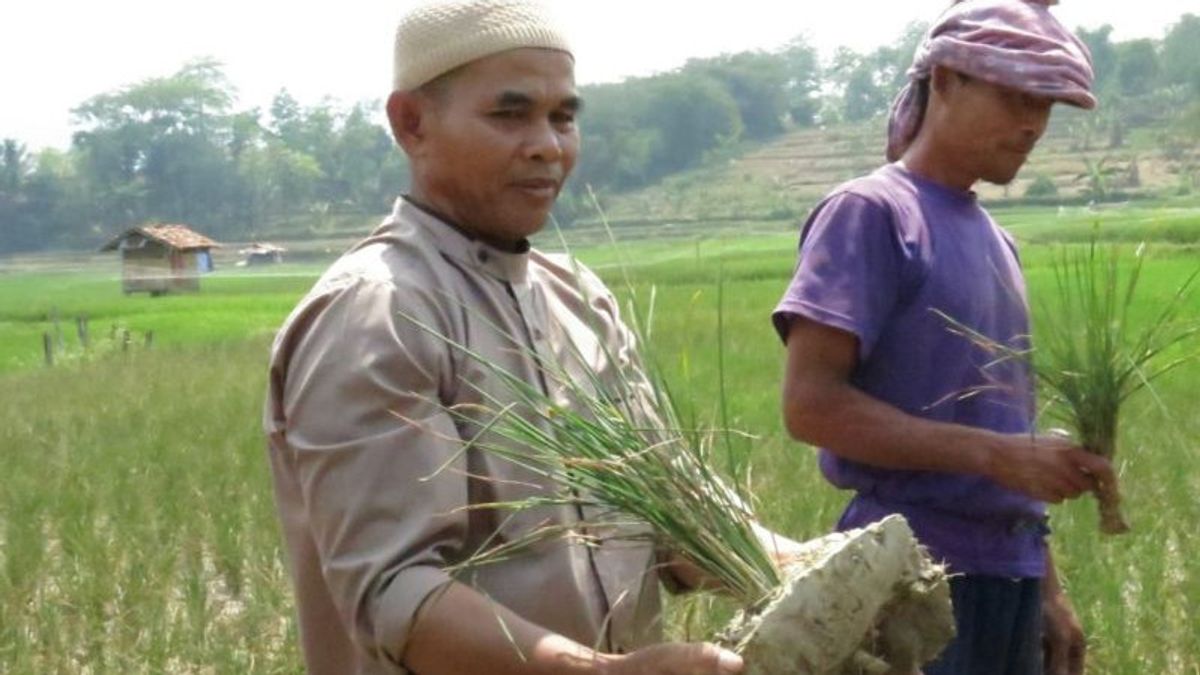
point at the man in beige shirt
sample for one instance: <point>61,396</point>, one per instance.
<point>373,478</point>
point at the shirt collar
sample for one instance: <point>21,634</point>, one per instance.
<point>456,243</point>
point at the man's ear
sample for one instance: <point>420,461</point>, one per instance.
<point>940,79</point>
<point>406,116</point>
<point>945,81</point>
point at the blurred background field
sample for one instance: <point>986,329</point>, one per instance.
<point>137,531</point>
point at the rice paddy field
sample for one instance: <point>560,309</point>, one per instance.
<point>137,530</point>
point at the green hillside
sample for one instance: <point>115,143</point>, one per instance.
<point>779,181</point>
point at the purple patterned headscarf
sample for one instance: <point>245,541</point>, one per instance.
<point>1014,43</point>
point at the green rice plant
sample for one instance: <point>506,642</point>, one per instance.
<point>1091,355</point>
<point>622,452</point>
<point>1093,358</point>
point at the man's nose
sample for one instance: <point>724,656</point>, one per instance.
<point>545,143</point>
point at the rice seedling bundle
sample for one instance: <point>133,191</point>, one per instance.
<point>1091,355</point>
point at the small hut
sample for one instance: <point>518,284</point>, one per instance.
<point>261,253</point>
<point>159,259</point>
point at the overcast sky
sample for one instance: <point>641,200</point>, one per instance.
<point>55,54</point>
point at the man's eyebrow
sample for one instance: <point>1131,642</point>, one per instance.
<point>516,99</point>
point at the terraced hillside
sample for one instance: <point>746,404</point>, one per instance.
<point>781,180</point>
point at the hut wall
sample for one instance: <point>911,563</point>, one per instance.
<point>154,268</point>
<point>185,268</point>
<point>146,269</point>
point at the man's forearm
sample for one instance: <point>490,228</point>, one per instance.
<point>458,629</point>
<point>859,427</point>
<point>823,408</point>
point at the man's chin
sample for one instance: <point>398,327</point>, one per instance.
<point>527,226</point>
<point>1002,180</point>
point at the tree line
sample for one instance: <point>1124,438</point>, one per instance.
<point>176,149</point>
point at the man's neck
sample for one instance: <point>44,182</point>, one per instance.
<point>521,246</point>
<point>932,165</point>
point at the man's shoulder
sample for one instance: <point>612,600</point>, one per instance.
<point>394,260</point>
<point>397,254</point>
<point>881,188</point>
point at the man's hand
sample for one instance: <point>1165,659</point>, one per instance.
<point>1063,642</point>
<point>675,659</point>
<point>784,551</point>
<point>457,629</point>
<point>1048,468</point>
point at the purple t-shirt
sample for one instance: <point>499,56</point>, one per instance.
<point>879,258</point>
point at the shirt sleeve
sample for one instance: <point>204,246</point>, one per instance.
<point>376,457</point>
<point>849,272</point>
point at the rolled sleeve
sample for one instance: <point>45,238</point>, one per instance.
<point>375,456</point>
<point>849,272</point>
<point>398,606</point>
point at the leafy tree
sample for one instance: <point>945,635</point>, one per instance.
<point>153,150</point>
<point>758,84</point>
<point>803,85</point>
<point>280,181</point>
<point>893,61</point>
<point>13,167</point>
<point>192,100</point>
<point>287,119</point>
<point>866,84</point>
<point>12,178</point>
<point>1104,55</point>
<point>617,153</point>
<point>864,97</point>
<point>354,158</point>
<point>692,114</point>
<point>637,131</point>
<point>1139,68</point>
<point>1181,53</point>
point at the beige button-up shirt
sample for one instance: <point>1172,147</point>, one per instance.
<point>358,430</point>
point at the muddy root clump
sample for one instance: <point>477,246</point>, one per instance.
<point>864,601</point>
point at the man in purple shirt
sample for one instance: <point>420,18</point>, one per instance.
<point>909,414</point>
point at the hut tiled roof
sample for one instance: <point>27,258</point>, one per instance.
<point>179,237</point>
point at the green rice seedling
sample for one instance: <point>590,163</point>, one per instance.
<point>622,452</point>
<point>1091,355</point>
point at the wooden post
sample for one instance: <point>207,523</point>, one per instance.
<point>81,330</point>
<point>48,348</point>
<point>58,336</point>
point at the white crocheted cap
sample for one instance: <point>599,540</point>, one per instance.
<point>438,37</point>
